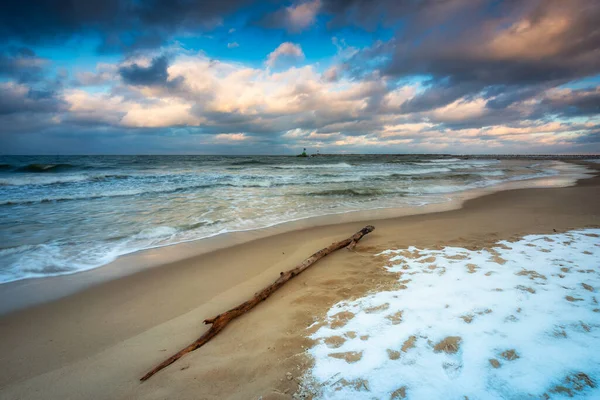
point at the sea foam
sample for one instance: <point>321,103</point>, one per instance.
<point>67,214</point>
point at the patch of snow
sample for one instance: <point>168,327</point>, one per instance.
<point>520,320</point>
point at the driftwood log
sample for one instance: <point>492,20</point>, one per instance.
<point>220,321</point>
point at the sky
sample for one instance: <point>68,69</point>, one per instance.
<point>274,77</point>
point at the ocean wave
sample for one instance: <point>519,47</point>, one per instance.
<point>200,224</point>
<point>421,171</point>
<point>491,173</point>
<point>444,160</point>
<point>304,166</point>
<point>456,163</point>
<point>147,190</point>
<point>150,185</point>
<point>41,180</point>
<point>45,168</point>
<point>426,177</point>
<point>95,196</point>
<point>248,162</point>
<point>442,189</point>
<point>37,180</point>
<point>351,192</point>
<point>160,203</point>
<point>35,261</point>
<point>156,233</point>
<point>97,178</point>
<point>472,164</point>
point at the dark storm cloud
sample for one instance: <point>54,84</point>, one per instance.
<point>502,96</point>
<point>121,24</point>
<point>438,95</point>
<point>21,64</point>
<point>369,14</point>
<point>295,18</point>
<point>512,48</point>
<point>23,100</point>
<point>576,103</point>
<point>495,64</point>
<point>154,74</point>
<point>448,38</point>
<point>592,138</point>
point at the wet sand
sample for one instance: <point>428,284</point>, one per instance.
<point>96,343</point>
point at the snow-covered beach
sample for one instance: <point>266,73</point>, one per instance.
<point>517,320</point>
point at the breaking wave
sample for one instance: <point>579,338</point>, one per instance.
<point>45,168</point>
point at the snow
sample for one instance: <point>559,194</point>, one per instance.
<point>537,297</point>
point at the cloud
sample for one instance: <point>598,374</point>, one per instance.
<point>297,106</point>
<point>22,64</point>
<point>568,102</point>
<point>369,14</point>
<point>453,75</point>
<point>439,94</point>
<point>219,97</point>
<point>230,137</point>
<point>487,43</point>
<point>153,74</point>
<point>232,45</point>
<point>21,99</point>
<point>121,24</point>
<point>295,18</point>
<point>592,138</point>
<point>104,74</point>
<point>331,74</point>
<point>93,109</point>
<point>232,104</point>
<point>285,53</point>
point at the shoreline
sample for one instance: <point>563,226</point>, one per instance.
<point>29,292</point>
<point>96,343</point>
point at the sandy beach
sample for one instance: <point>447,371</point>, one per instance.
<point>183,186</point>
<point>98,342</point>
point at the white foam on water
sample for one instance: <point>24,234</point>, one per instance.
<point>444,160</point>
<point>61,238</point>
<point>496,172</point>
<point>303,166</point>
<point>420,171</point>
<point>523,320</point>
<point>32,179</point>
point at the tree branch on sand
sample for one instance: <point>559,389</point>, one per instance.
<point>219,322</point>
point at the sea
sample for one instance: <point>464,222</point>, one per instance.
<point>64,214</point>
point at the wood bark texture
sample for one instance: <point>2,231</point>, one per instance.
<point>219,322</point>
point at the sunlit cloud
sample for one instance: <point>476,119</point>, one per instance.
<point>286,52</point>
<point>426,76</point>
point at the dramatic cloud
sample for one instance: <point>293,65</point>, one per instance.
<point>378,76</point>
<point>331,74</point>
<point>104,74</point>
<point>120,24</point>
<point>237,104</point>
<point>573,102</point>
<point>153,74</point>
<point>285,53</point>
<point>552,41</point>
<point>486,43</point>
<point>22,64</point>
<point>294,18</point>
<point>18,98</point>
